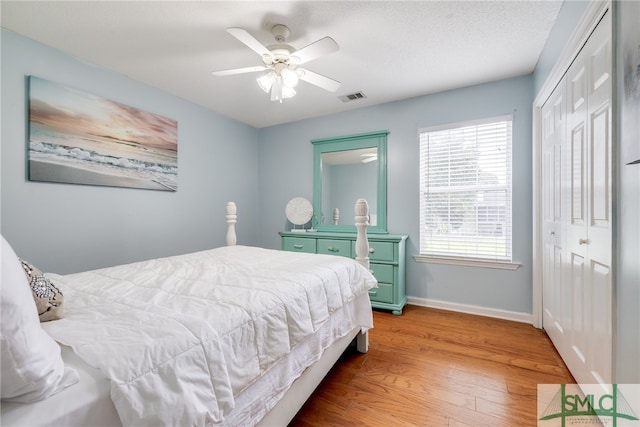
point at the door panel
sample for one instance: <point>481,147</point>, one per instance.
<point>578,336</point>
<point>557,181</point>
<point>600,59</point>
<point>553,171</point>
<point>577,176</point>
<point>578,90</point>
<point>599,108</point>
<point>559,295</point>
<point>599,227</point>
<point>601,333</point>
<point>599,188</point>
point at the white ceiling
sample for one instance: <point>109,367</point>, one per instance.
<point>389,50</point>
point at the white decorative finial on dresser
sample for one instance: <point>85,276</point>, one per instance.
<point>231,223</point>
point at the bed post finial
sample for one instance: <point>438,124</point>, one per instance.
<point>231,223</point>
<point>362,222</point>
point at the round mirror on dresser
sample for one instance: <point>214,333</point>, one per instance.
<point>299,211</point>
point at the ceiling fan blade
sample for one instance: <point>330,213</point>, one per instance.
<point>250,41</point>
<point>318,80</point>
<point>239,71</point>
<point>324,46</point>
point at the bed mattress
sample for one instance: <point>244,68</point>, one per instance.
<point>231,311</point>
<point>89,402</point>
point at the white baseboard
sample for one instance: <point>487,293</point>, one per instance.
<point>472,309</point>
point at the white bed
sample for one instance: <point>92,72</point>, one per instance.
<point>266,382</point>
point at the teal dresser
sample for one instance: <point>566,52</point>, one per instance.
<point>386,256</point>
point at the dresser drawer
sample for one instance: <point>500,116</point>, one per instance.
<point>334,247</point>
<point>297,244</point>
<point>382,272</point>
<point>381,251</point>
<point>383,293</point>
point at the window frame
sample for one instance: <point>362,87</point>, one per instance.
<point>459,259</point>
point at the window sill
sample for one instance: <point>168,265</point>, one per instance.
<point>501,265</point>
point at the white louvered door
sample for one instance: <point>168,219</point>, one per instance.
<point>554,130</point>
<point>577,300</point>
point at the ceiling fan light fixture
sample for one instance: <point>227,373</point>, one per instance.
<point>280,91</point>
<point>266,81</point>
<point>276,90</point>
<point>289,78</point>
<point>288,92</point>
<point>275,85</point>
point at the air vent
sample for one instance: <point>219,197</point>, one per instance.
<point>351,97</point>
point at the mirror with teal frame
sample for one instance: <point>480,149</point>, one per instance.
<point>346,169</point>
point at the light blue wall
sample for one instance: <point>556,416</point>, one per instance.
<point>67,228</point>
<point>286,171</point>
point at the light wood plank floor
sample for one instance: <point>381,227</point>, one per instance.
<point>433,367</point>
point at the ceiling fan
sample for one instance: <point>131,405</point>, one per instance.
<point>281,61</point>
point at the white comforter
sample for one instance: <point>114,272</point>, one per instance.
<point>179,337</point>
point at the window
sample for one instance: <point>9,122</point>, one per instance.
<point>465,191</point>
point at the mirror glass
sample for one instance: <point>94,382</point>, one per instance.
<point>348,176</point>
<point>347,169</point>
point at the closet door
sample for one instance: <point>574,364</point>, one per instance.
<point>586,345</point>
<point>554,210</point>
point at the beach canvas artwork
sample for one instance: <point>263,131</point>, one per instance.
<point>79,138</point>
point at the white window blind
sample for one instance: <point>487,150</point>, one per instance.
<point>465,187</point>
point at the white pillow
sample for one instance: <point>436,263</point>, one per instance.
<point>32,367</point>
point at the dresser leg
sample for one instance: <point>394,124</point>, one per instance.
<point>397,312</point>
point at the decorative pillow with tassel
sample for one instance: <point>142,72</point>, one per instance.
<point>49,300</point>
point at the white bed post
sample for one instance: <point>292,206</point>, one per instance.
<point>362,222</point>
<point>362,256</point>
<point>231,224</point>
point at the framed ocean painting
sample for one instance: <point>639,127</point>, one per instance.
<point>79,138</point>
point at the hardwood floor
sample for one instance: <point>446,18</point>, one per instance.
<point>433,367</point>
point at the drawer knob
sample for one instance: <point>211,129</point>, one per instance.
<point>371,250</point>
<point>373,292</point>
<point>332,249</point>
<point>298,246</point>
